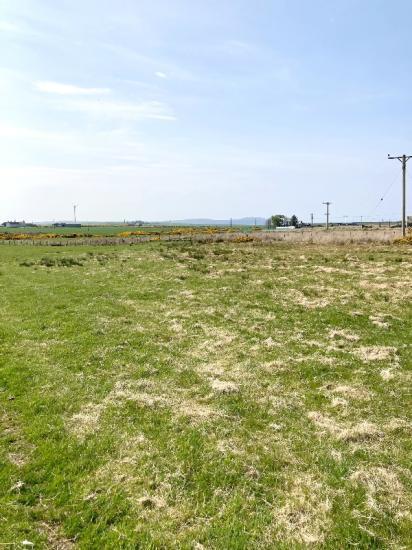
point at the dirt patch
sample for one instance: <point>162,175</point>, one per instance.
<point>151,502</point>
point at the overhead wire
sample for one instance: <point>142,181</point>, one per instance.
<point>383,197</point>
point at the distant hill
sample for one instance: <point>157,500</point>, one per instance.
<point>209,221</point>
<point>195,221</point>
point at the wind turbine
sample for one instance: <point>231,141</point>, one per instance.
<point>74,211</point>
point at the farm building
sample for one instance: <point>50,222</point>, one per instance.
<point>63,224</point>
<point>14,224</point>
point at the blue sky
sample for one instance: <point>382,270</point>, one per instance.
<point>175,109</point>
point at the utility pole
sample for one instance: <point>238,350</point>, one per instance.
<point>311,220</point>
<point>403,159</point>
<point>327,213</point>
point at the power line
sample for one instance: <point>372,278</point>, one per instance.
<point>403,159</point>
<point>382,198</point>
<point>327,213</point>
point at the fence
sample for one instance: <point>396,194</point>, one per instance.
<point>315,236</point>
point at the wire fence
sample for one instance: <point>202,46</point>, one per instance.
<point>307,235</point>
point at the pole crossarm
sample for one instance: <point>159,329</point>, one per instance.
<point>400,158</point>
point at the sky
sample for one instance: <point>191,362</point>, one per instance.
<point>172,109</point>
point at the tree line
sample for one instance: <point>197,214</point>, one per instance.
<point>280,220</point>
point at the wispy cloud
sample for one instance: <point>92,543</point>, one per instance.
<point>8,26</point>
<point>120,109</point>
<point>19,132</point>
<point>159,74</point>
<point>58,88</point>
<point>238,47</point>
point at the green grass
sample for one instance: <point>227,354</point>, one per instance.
<point>213,396</point>
<point>110,230</point>
<point>84,229</point>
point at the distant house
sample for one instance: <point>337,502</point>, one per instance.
<point>14,224</point>
<point>64,224</point>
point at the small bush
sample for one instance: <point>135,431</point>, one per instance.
<point>27,263</point>
<point>67,261</point>
<point>47,262</point>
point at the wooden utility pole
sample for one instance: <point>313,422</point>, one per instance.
<point>403,159</point>
<point>327,213</point>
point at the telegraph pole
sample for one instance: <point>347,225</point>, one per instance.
<point>327,213</point>
<point>403,159</point>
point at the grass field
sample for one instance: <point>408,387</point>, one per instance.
<point>111,230</point>
<point>213,396</point>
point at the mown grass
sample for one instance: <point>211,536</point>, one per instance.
<point>222,395</point>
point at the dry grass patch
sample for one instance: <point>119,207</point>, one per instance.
<point>349,392</point>
<point>384,490</point>
<point>368,354</point>
<point>223,386</point>
<point>86,421</point>
<point>298,298</point>
<point>343,334</point>
<point>54,538</point>
<point>356,433</point>
<point>304,518</point>
<point>379,321</point>
<point>144,393</point>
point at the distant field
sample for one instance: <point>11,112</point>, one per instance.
<point>219,395</point>
<point>110,230</point>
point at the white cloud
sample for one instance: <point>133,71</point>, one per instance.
<point>121,109</point>
<point>68,89</point>
<point>159,74</point>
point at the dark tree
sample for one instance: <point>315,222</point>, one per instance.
<point>294,221</point>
